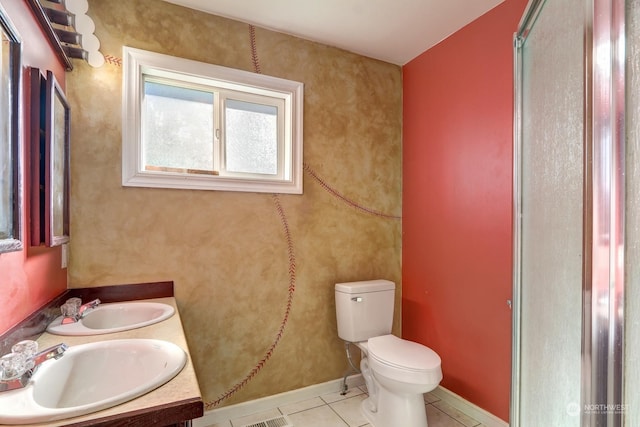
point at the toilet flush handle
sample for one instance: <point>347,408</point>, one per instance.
<point>357,299</point>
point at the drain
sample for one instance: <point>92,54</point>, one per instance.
<point>282,421</point>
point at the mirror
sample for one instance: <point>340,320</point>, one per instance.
<point>56,164</point>
<point>10,73</point>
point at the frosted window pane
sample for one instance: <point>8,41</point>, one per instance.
<point>552,177</point>
<point>251,142</point>
<point>178,124</point>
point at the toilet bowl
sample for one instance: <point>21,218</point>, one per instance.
<point>398,372</point>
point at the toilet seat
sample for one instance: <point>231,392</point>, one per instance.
<point>404,360</point>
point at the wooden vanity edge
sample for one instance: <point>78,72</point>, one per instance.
<point>172,414</point>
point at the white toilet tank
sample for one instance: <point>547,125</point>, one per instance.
<point>364,309</point>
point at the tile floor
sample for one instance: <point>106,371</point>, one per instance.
<point>335,410</point>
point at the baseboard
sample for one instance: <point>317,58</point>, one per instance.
<point>258,405</point>
<point>486,418</point>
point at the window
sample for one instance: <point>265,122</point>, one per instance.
<point>188,124</point>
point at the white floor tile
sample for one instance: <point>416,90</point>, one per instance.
<point>437,418</point>
<point>321,416</point>
<point>456,414</point>
<point>349,410</point>
<point>430,398</point>
<point>301,406</point>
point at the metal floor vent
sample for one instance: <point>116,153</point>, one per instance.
<point>282,421</point>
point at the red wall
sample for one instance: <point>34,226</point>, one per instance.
<point>457,205</point>
<point>33,276</point>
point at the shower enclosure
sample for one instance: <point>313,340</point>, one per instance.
<point>576,232</point>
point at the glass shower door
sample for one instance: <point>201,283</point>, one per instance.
<point>549,179</point>
<point>632,266</point>
<point>570,193</point>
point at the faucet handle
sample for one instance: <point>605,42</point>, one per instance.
<point>69,309</point>
<point>27,347</point>
<point>12,366</point>
<point>74,301</point>
<point>19,361</point>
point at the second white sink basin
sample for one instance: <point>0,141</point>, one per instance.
<point>91,377</point>
<point>114,317</point>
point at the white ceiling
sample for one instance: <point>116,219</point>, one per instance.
<point>394,31</point>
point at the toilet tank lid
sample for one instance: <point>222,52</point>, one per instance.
<point>365,286</point>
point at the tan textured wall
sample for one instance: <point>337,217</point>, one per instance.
<point>227,252</point>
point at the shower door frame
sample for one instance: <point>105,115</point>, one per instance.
<point>602,353</point>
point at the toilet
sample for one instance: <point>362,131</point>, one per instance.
<point>397,372</point>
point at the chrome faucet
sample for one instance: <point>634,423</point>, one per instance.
<point>73,311</point>
<point>17,367</point>
<point>88,306</point>
<point>54,352</point>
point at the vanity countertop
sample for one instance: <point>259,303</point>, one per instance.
<point>177,400</point>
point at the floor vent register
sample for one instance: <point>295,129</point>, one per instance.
<point>282,421</point>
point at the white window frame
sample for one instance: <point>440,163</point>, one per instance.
<point>138,63</point>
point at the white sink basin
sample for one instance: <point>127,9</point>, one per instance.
<point>92,377</point>
<point>114,317</point>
